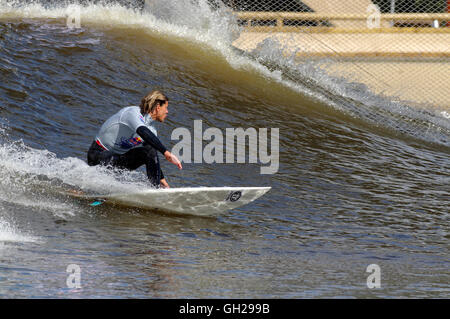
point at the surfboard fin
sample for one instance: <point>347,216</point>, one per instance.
<point>97,202</point>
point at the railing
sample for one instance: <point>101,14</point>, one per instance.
<point>254,20</point>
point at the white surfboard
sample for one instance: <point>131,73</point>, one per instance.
<point>205,201</point>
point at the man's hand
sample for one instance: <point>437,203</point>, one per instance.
<point>173,159</point>
<point>164,183</point>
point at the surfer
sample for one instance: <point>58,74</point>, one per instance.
<point>128,139</point>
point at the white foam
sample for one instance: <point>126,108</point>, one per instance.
<point>31,178</point>
<point>9,234</point>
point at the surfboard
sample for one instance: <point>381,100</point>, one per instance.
<point>205,201</point>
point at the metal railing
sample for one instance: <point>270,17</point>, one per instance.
<point>251,19</point>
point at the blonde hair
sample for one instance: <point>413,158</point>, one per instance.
<point>151,100</point>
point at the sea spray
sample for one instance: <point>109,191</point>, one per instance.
<point>10,233</point>
<point>26,169</point>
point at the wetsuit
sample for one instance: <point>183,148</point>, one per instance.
<point>128,140</point>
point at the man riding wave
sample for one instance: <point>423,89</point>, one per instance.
<point>128,139</point>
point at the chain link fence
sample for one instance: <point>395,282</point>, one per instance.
<point>398,49</point>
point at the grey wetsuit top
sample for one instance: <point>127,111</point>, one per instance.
<point>118,133</point>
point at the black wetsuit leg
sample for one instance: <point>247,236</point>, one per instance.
<point>98,156</point>
<point>131,160</point>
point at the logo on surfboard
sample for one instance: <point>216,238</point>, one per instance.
<point>234,196</point>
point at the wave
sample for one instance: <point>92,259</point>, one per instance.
<point>210,24</point>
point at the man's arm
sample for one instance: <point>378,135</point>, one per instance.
<point>154,141</point>
<point>151,139</point>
